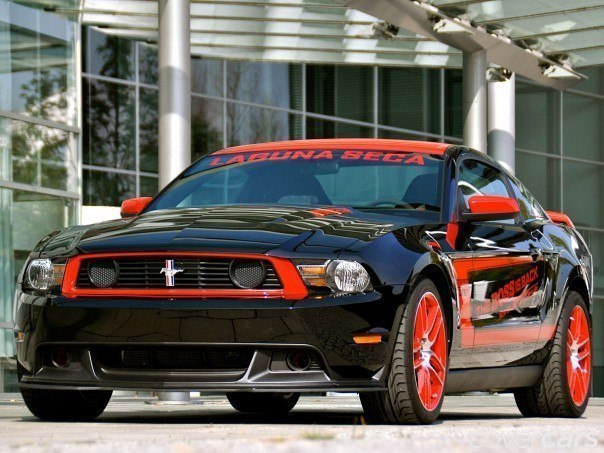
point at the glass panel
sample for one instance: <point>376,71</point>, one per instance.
<point>583,119</point>
<point>277,84</point>
<point>453,103</point>
<point>108,56</point>
<point>541,176</point>
<point>37,76</point>
<point>316,128</point>
<point>26,218</point>
<point>147,63</point>
<point>148,186</point>
<point>247,124</point>
<point>148,129</point>
<point>107,189</point>
<point>410,98</point>
<point>595,82</point>
<point>37,155</point>
<point>342,91</point>
<point>206,76</point>
<point>109,124</point>
<point>206,126</point>
<point>384,133</point>
<point>537,118</point>
<point>583,188</point>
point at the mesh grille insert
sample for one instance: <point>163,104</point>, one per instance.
<point>103,274</point>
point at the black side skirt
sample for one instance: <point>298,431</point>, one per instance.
<point>500,378</point>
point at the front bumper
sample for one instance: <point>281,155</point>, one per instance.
<point>267,331</point>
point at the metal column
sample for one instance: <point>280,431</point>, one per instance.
<point>502,118</point>
<point>174,88</point>
<point>475,100</point>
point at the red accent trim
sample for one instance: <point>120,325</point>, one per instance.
<point>561,218</point>
<point>293,286</point>
<point>134,206</point>
<point>429,351</point>
<point>406,146</point>
<point>491,204</point>
<point>578,356</point>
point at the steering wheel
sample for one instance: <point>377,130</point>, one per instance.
<point>397,204</point>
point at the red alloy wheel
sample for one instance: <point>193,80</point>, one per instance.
<point>429,351</point>
<point>578,360</point>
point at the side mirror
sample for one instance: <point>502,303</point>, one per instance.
<point>134,206</point>
<point>559,217</point>
<point>490,207</point>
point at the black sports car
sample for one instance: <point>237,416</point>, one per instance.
<point>400,270</point>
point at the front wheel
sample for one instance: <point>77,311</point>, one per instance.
<point>66,404</point>
<point>266,403</point>
<point>563,389</point>
<point>418,371</point>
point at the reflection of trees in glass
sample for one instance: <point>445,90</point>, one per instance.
<point>110,56</point>
<point>43,153</point>
<point>148,129</point>
<point>205,136</point>
<point>247,81</point>
<point>107,189</point>
<point>109,128</point>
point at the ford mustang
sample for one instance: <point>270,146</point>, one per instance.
<point>400,270</point>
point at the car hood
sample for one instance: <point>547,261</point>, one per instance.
<point>248,229</point>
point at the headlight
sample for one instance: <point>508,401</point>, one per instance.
<point>43,275</point>
<point>339,275</point>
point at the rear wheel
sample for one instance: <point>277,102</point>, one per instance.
<point>563,389</point>
<point>416,381</point>
<point>66,404</point>
<point>266,403</point>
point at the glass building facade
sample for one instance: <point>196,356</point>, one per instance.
<point>39,134</point>
<point>92,115</point>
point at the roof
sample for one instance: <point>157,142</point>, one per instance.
<point>344,143</point>
<point>548,41</point>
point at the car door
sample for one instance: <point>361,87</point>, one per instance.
<point>507,276</point>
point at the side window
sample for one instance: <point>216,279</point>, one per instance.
<point>529,207</point>
<point>476,178</point>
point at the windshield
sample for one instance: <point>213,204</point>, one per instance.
<point>358,179</point>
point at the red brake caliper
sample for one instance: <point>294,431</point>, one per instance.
<point>429,351</point>
<point>578,360</point>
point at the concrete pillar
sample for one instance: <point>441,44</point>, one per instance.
<point>502,117</point>
<point>475,100</point>
<point>174,88</point>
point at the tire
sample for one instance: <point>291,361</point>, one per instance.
<point>418,370</point>
<point>563,389</point>
<point>263,403</point>
<point>66,404</point>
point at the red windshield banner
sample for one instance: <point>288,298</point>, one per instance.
<point>311,155</point>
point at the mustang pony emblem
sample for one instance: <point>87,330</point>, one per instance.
<point>170,272</point>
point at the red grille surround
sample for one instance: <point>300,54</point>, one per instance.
<point>292,285</point>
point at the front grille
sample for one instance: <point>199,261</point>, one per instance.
<point>197,273</point>
<point>173,358</point>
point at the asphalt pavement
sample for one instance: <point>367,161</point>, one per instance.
<point>324,424</point>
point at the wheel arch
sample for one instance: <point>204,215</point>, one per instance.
<point>445,287</point>
<point>577,283</point>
